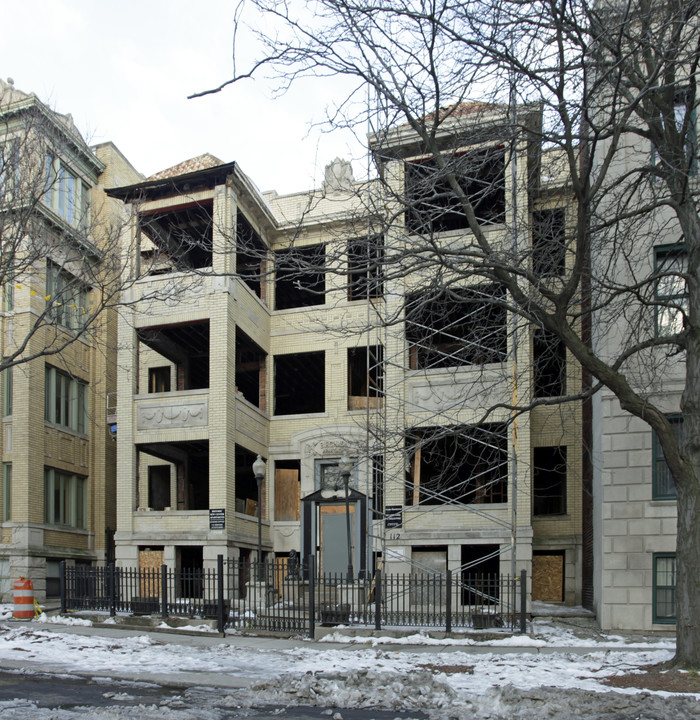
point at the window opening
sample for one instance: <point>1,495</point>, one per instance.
<point>664,602</point>
<point>159,487</point>
<point>300,383</point>
<point>250,253</point>
<point>365,268</point>
<point>65,498</point>
<point>67,298</point>
<point>300,277</point>
<point>549,472</point>
<point>365,376</point>
<point>159,379</point>
<point>287,490</point>
<point>181,238</point>
<point>663,486</point>
<point>250,370</point>
<point>467,465</point>
<point>548,365</point>
<point>548,242</point>
<point>670,290</point>
<point>65,400</point>
<point>433,205</point>
<point>246,484</point>
<point>460,326</point>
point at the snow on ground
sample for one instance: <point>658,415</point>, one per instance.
<point>443,680</point>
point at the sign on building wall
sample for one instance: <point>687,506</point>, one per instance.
<point>393,517</point>
<point>217,519</point>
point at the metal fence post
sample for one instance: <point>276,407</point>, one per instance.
<point>164,591</point>
<point>378,600</point>
<point>312,597</point>
<point>220,593</point>
<point>523,601</point>
<point>112,590</point>
<point>448,603</point>
<point>62,585</point>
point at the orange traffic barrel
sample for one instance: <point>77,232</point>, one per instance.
<point>24,599</point>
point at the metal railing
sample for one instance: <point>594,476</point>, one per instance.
<point>280,598</point>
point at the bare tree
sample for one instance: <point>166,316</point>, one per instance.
<point>612,86</point>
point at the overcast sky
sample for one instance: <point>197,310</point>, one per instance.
<point>124,70</point>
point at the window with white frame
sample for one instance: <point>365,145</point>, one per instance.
<point>66,400</point>
<point>67,297</point>
<point>664,599</point>
<point>65,498</point>
<point>670,292</point>
<point>9,170</point>
<point>65,193</point>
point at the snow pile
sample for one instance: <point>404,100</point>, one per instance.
<point>356,688</point>
<point>64,620</point>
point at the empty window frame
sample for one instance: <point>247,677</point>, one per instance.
<point>182,238</point>
<point>548,242</point>
<point>300,277</point>
<point>300,383</point>
<point>250,253</point>
<point>159,379</point>
<point>378,486</point>
<point>664,588</point>
<point>549,472</point>
<point>548,364</point>
<point>670,290</point>
<point>687,132</point>
<point>246,500</point>
<point>365,267</point>
<point>365,376</point>
<point>432,205</point>
<point>65,498</point>
<point>460,326</point>
<point>65,400</point>
<point>467,465</point>
<point>159,487</point>
<point>250,370</point>
<point>67,298</point>
<point>663,486</point>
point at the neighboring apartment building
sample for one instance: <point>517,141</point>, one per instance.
<point>58,458</point>
<point>273,326</point>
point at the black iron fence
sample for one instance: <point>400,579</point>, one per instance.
<point>295,599</point>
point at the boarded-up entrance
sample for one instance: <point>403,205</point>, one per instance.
<point>150,561</point>
<point>548,577</point>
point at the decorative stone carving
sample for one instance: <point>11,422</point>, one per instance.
<point>183,415</point>
<point>338,176</point>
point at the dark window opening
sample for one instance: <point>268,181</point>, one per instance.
<point>365,268</point>
<point>159,379</point>
<point>250,254</point>
<point>300,384</point>
<point>187,346</point>
<point>189,561</point>
<point>549,364</point>
<point>663,485</point>
<point>287,490</point>
<point>467,465</point>
<point>250,370</point>
<point>432,203</point>
<point>461,326</point>
<point>158,487</point>
<point>246,484</point>
<point>664,588</point>
<point>378,486</point>
<point>548,242</point>
<point>480,574</point>
<point>300,277</point>
<point>181,238</point>
<point>549,480</point>
<point>365,376</point>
